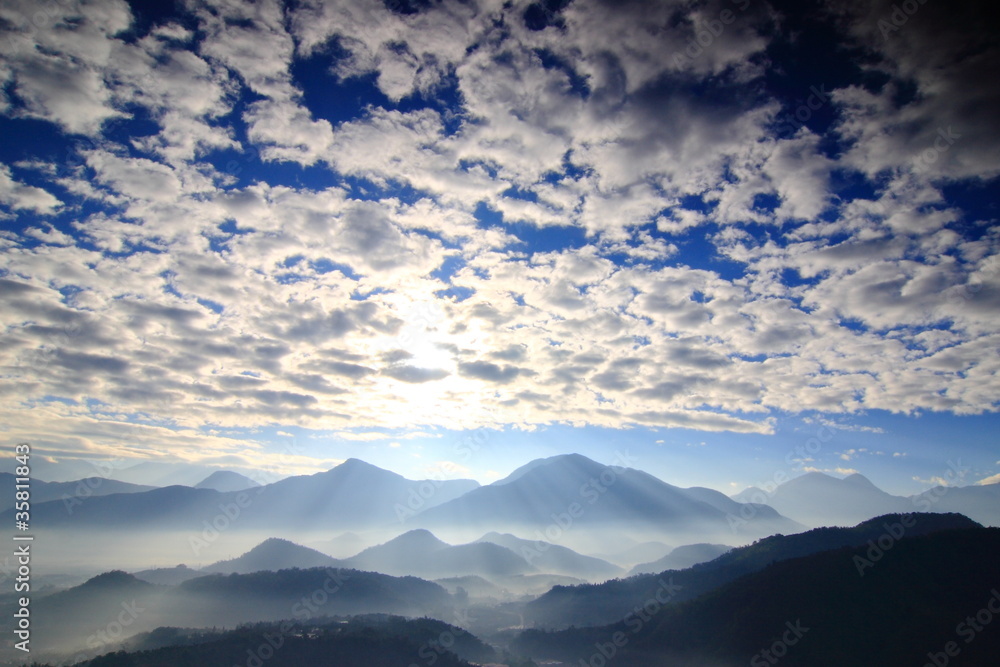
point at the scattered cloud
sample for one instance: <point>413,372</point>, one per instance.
<point>838,470</point>
<point>992,479</point>
<point>572,223</point>
<point>935,480</point>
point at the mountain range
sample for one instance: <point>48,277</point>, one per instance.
<point>227,480</point>
<point>68,619</point>
<point>272,554</point>
<point>597,604</point>
<point>888,591</point>
<point>926,601</point>
<point>818,499</point>
<point>352,495</point>
<point>549,497</point>
<point>69,494</point>
<point>499,558</point>
<point>682,557</point>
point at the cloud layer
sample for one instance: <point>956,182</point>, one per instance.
<point>601,213</point>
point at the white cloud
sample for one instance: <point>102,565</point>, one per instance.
<point>800,174</point>
<point>941,129</point>
<point>935,480</point>
<point>992,479</point>
<point>326,307</point>
<point>838,470</point>
<point>19,196</point>
<point>57,54</point>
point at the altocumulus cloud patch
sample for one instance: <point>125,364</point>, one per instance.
<point>589,213</point>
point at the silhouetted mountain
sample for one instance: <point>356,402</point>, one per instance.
<point>598,604</point>
<point>68,620</point>
<point>419,553</point>
<point>226,480</point>
<point>553,558</point>
<point>264,596</point>
<point>273,554</point>
<point>683,557</point>
<point>168,576</point>
<point>65,620</point>
<point>70,494</point>
<point>817,499</point>
<point>379,641</point>
<point>573,491</point>
<point>922,596</point>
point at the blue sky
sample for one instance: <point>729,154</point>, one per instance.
<point>697,232</point>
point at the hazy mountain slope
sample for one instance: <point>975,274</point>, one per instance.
<point>818,611</point>
<point>69,493</point>
<point>171,507</point>
<point>682,557</point>
<point>67,620</point>
<point>980,503</point>
<point>554,558</point>
<point>641,552</point>
<point>597,604</point>
<point>352,643</point>
<point>422,631</point>
<point>272,554</point>
<point>817,499</point>
<point>226,480</point>
<point>355,494</point>
<point>168,576</point>
<point>299,594</point>
<point>352,495</point>
<point>342,546</point>
<point>419,553</point>
<point>572,490</point>
<point>160,473</point>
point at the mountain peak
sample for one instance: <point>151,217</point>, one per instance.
<point>357,463</point>
<point>273,542</point>
<point>111,579</point>
<point>355,466</point>
<point>226,480</point>
<point>857,479</point>
<point>418,538</point>
<point>562,460</point>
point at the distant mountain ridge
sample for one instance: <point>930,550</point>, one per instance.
<point>414,553</point>
<point>70,494</point>
<point>272,554</point>
<point>352,495</point>
<point>597,604</point>
<point>227,480</point>
<point>568,499</point>
<point>67,618</point>
<point>550,495</point>
<point>419,553</point>
<point>818,499</point>
<point>554,558</point>
<point>816,610</point>
<point>682,558</point>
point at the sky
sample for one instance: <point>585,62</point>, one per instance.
<point>729,239</point>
